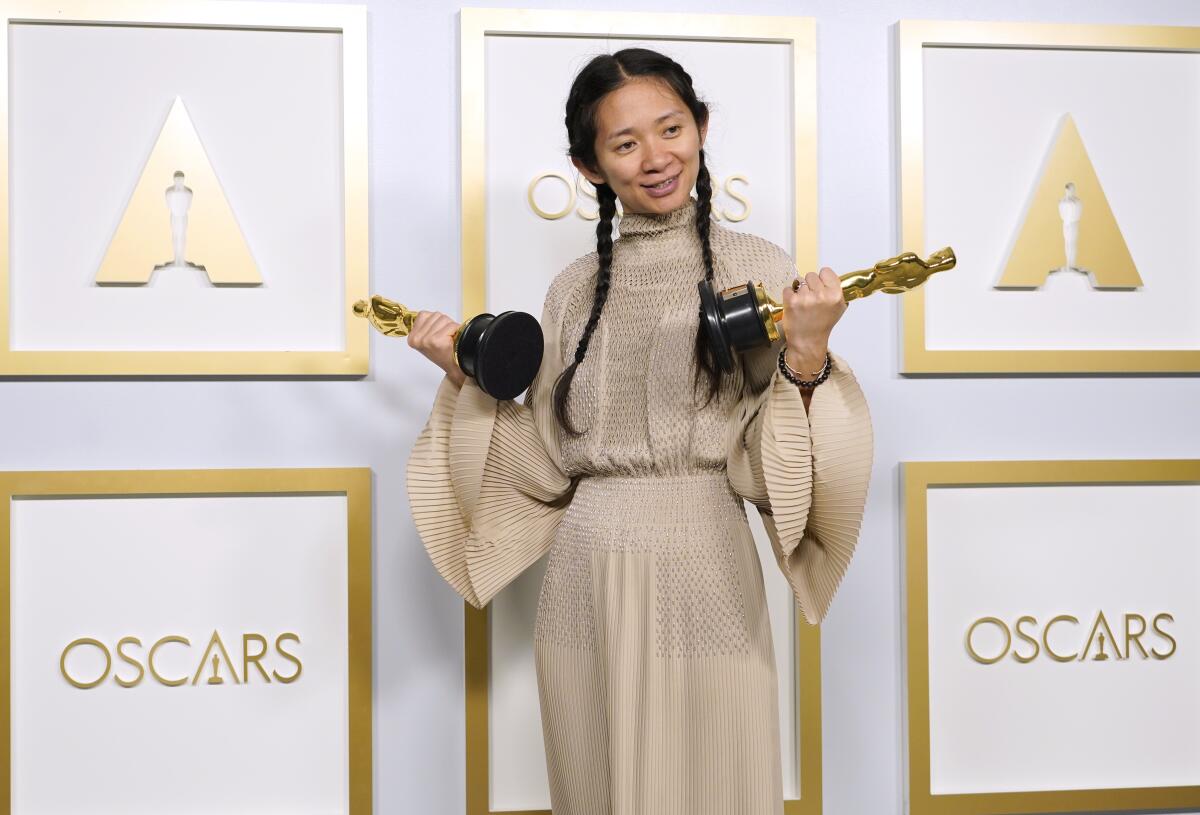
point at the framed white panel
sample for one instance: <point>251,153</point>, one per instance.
<point>280,151</point>
<point>187,641</point>
<point>1052,636</point>
<point>1063,103</point>
<point>527,213</point>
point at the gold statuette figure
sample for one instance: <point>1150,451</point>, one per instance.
<point>746,316</point>
<point>391,319</point>
<point>896,275</point>
<point>502,352</point>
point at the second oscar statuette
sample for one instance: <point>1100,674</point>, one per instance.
<point>746,316</point>
<point>501,352</point>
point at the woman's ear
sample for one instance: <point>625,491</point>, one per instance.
<point>588,174</point>
<point>703,133</point>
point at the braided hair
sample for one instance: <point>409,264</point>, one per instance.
<point>601,76</point>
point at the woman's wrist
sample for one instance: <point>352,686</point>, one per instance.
<point>808,358</point>
<point>805,382</point>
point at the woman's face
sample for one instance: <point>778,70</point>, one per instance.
<point>647,146</point>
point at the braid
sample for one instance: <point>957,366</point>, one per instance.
<point>706,368</point>
<point>604,246</point>
<point>704,213</point>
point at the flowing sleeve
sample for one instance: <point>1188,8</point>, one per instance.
<point>485,482</point>
<point>806,471</point>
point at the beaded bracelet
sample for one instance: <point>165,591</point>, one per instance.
<point>794,376</point>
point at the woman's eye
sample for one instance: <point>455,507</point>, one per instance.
<point>673,129</point>
<point>626,144</point>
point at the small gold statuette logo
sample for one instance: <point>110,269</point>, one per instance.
<point>255,650</point>
<point>989,649</point>
<point>1069,226</point>
<point>215,679</point>
<point>178,218</point>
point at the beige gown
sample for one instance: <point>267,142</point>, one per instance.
<point>656,674</point>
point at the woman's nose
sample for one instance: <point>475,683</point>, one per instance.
<point>657,158</point>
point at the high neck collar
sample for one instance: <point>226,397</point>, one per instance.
<point>645,224</point>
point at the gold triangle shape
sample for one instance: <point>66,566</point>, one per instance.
<point>1040,247</point>
<point>143,240</point>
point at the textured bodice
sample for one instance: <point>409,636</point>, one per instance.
<point>633,393</point>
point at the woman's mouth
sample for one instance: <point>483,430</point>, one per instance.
<point>662,188</point>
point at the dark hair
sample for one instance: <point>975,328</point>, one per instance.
<point>601,76</point>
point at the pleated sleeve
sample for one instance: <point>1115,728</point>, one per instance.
<point>806,471</point>
<point>484,480</point>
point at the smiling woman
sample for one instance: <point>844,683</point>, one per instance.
<point>629,463</point>
<point>651,161</point>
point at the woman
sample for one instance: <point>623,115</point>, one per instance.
<point>628,463</point>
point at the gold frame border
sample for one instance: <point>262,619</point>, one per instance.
<point>354,482</point>
<point>918,477</point>
<point>351,22</point>
<point>916,35</point>
<point>475,25</point>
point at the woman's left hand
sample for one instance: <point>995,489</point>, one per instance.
<point>809,316</point>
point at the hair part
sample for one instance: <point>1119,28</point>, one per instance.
<point>600,77</point>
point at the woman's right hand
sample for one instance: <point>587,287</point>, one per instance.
<point>433,335</point>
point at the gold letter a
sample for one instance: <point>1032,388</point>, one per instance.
<point>1040,245</point>
<point>144,238</point>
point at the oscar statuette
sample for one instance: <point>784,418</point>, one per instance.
<point>746,316</point>
<point>502,352</point>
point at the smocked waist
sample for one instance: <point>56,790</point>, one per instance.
<point>655,499</point>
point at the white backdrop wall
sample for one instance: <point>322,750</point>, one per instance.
<point>415,256</point>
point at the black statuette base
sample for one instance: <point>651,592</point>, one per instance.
<point>732,322</point>
<point>502,353</point>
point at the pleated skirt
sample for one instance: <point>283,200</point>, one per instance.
<point>655,666</point>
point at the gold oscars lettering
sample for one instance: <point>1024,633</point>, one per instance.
<point>734,186</point>
<point>1026,639</point>
<point>214,665</point>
